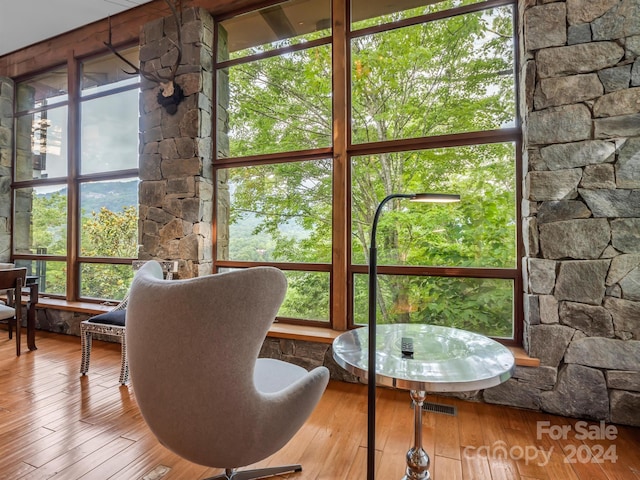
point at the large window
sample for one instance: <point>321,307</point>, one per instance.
<point>274,92</point>
<point>75,189</point>
<point>430,97</point>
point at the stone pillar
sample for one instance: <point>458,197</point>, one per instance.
<point>580,106</point>
<point>223,199</point>
<point>176,188</point>
<point>6,140</point>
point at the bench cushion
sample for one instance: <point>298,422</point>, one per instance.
<point>114,317</point>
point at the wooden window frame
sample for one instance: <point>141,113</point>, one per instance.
<point>341,269</point>
<point>74,178</point>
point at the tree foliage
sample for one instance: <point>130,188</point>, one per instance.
<point>108,234</point>
<point>49,223</point>
<point>104,234</point>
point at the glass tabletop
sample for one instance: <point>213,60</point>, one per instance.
<point>445,359</point>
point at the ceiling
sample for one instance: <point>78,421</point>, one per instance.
<point>25,22</point>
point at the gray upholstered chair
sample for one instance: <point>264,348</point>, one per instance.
<point>193,350</point>
<point>13,279</point>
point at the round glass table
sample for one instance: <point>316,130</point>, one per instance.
<point>444,360</point>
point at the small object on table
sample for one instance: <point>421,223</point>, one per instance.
<point>406,347</point>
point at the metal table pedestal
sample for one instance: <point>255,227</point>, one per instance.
<point>444,360</point>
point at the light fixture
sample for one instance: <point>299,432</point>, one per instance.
<point>373,286</point>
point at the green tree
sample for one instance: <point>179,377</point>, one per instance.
<point>49,236</point>
<point>108,234</point>
<point>104,234</point>
<point>49,222</point>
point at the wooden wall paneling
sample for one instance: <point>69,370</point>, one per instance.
<point>89,39</point>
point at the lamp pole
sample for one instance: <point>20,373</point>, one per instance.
<point>373,286</point>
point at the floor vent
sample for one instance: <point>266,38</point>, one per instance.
<point>439,408</point>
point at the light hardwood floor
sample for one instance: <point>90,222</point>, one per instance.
<point>56,424</point>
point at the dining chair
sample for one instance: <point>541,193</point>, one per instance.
<point>12,280</point>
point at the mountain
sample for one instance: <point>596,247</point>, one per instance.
<point>113,195</point>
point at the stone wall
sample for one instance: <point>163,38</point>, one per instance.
<point>308,355</point>
<point>223,194</point>
<point>6,139</point>
<point>176,187</point>
<point>580,107</point>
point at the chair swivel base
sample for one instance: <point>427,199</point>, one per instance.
<point>231,474</point>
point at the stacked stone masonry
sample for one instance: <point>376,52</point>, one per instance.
<point>580,104</point>
<point>176,186</point>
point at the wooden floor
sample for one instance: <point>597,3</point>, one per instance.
<point>56,424</point>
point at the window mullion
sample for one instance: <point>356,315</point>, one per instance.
<point>73,202</point>
<point>340,238</point>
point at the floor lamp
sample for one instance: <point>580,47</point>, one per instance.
<point>373,286</point>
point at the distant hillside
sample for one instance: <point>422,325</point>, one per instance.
<point>112,195</point>
<point>244,245</point>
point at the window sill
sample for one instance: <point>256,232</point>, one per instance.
<point>278,330</point>
<point>303,332</point>
<point>522,358</point>
<point>326,335</point>
<point>80,307</point>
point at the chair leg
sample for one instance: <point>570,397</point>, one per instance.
<point>85,340</point>
<point>231,474</point>
<point>18,328</point>
<point>124,362</point>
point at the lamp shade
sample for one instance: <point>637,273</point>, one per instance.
<point>435,197</point>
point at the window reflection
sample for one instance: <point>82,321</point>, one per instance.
<point>104,73</point>
<point>41,144</point>
<point>109,133</point>
<point>42,90</point>
<point>285,24</point>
